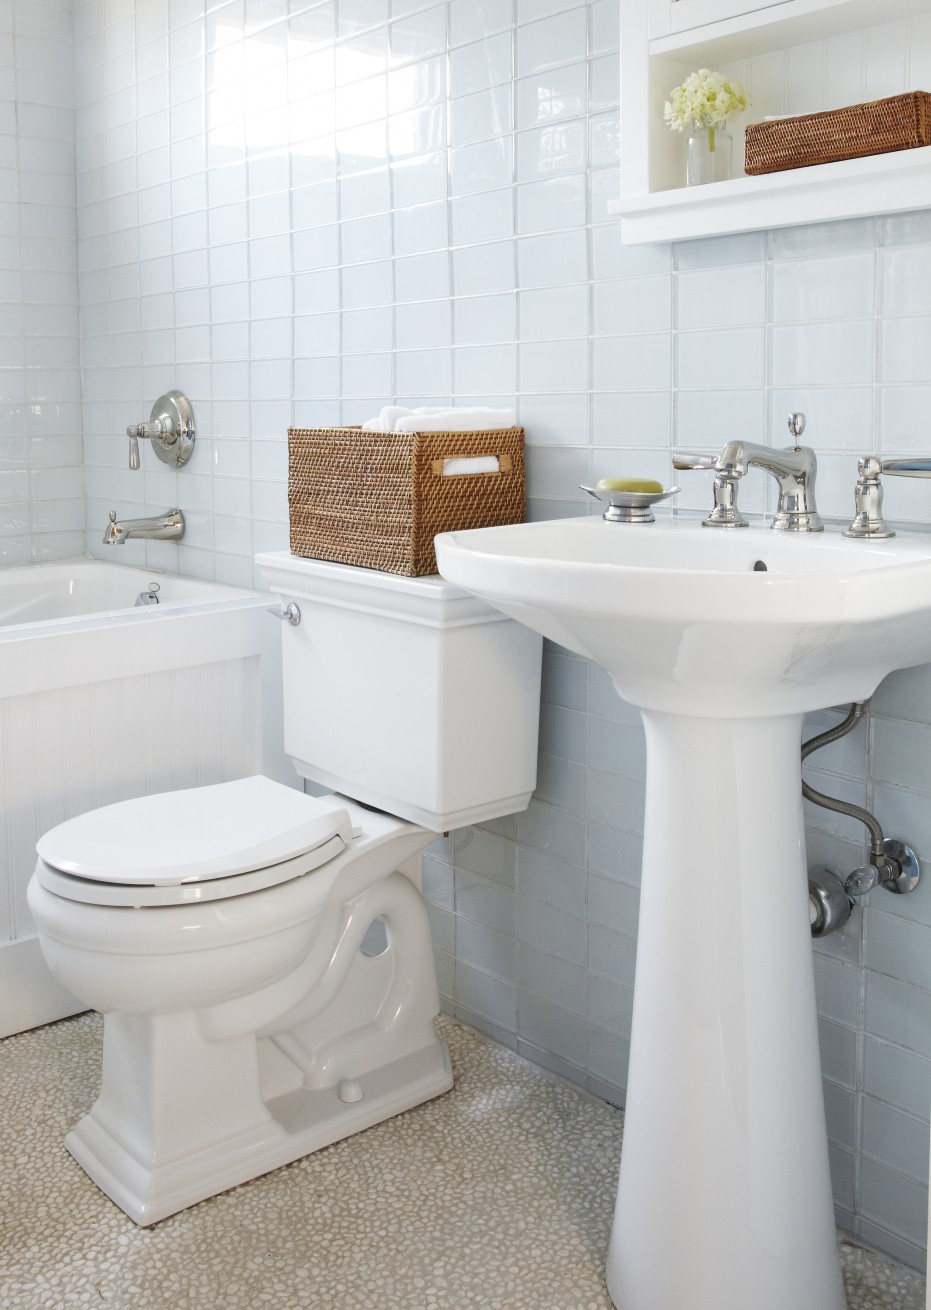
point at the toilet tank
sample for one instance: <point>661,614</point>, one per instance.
<point>407,693</point>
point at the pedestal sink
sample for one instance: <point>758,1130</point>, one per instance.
<point>723,640</point>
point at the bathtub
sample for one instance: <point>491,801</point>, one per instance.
<point>101,701</point>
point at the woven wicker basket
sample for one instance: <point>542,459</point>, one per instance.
<point>898,123</point>
<point>378,499</point>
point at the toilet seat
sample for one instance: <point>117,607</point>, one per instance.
<point>200,844</point>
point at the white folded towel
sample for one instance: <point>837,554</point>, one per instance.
<point>433,418</point>
<point>470,464</point>
<point>476,419</point>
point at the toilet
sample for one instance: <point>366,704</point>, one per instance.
<point>262,957</point>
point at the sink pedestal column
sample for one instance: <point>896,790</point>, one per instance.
<point>724,1201</point>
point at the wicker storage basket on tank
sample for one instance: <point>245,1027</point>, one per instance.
<point>377,499</point>
<point>898,123</point>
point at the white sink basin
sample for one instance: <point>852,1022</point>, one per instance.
<point>680,619</point>
<point>724,1199</point>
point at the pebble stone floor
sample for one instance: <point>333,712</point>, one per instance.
<point>497,1196</point>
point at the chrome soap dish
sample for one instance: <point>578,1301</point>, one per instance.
<point>629,506</point>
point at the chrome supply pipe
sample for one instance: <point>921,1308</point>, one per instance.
<point>892,864</point>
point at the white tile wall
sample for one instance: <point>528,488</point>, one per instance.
<point>41,455</point>
<point>299,211</point>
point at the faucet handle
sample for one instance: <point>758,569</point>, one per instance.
<point>868,520</point>
<point>692,459</point>
<point>919,466</point>
<point>796,426</point>
<point>724,513</point>
<point>170,429</point>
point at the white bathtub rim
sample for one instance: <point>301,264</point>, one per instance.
<point>231,598</point>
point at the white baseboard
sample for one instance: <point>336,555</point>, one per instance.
<point>29,995</point>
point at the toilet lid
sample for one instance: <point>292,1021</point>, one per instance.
<point>197,835</point>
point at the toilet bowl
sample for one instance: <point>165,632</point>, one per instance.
<point>264,969</point>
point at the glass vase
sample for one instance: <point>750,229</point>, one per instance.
<point>708,153</point>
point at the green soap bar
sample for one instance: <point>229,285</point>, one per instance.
<point>628,484</point>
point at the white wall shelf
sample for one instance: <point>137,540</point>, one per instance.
<point>795,56</point>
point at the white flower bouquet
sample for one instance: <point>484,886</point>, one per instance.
<point>708,98</point>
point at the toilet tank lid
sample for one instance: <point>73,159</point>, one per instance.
<point>194,835</point>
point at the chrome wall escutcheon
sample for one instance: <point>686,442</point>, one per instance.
<point>170,429</point>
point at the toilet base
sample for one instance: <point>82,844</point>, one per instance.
<point>299,1122</point>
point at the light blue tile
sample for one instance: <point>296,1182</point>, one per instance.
<point>720,358</point>
<point>608,1057</point>
<point>906,275</point>
<point>442,929</point>
<point>555,1030</point>
<point>719,252</point>
<point>611,954</point>
<point>896,1076</point>
<point>632,362</point>
<point>553,95</point>
<point>445,978</point>
<point>899,1013</point>
<point>565,680</point>
<point>902,753</point>
<point>551,929</point>
<point>552,260</point>
<point>550,42</point>
<point>843,1175</point>
<point>834,354</point>
<point>895,1139</point>
<point>610,1006</point>
<point>562,784</point>
<point>633,304</point>
<point>481,64</point>
<point>841,287</point>
<point>438,887</point>
<point>615,854</point>
<point>897,1203</point>
<point>552,978</point>
<point>554,312</point>
<point>613,904</point>
<point>482,947</point>
<point>714,298</point>
<point>617,748</point>
<point>840,1108</point>
<point>838,1052</point>
<point>645,415</point>
<point>572,1073</point>
<point>898,947</point>
<point>560,885</point>
<point>616,800</point>
<point>487,902</point>
<point>904,347</point>
<point>702,416</point>
<point>489,998</point>
<point>819,239</point>
<point>838,991</point>
<point>480,852</point>
<point>911,1254</point>
<point>901,229</point>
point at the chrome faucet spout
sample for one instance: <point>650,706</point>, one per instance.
<point>794,468</point>
<point>161,527</point>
